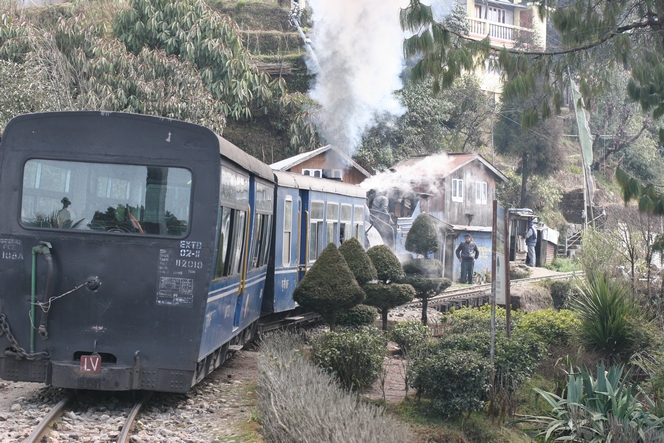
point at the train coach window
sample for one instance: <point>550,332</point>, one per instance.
<point>345,231</point>
<point>358,223</point>
<point>288,230</point>
<point>113,198</point>
<point>332,223</point>
<point>262,229</point>
<point>315,230</point>
<point>222,242</point>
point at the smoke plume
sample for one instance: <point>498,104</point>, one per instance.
<point>358,45</point>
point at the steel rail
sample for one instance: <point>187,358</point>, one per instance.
<point>43,427</point>
<point>485,289</point>
<point>124,434</point>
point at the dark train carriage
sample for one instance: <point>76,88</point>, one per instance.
<point>311,213</point>
<point>109,268</point>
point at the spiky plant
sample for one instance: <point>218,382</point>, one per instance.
<point>607,310</point>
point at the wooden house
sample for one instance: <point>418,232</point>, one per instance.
<point>325,162</point>
<point>457,189</point>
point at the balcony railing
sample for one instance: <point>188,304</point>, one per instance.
<point>498,31</point>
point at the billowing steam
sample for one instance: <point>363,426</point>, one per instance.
<point>420,176</point>
<point>358,45</point>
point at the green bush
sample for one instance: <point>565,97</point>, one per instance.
<point>455,381</point>
<point>409,335</point>
<point>561,291</point>
<point>386,297</point>
<point>599,409</point>
<point>609,316</point>
<point>423,236</point>
<point>563,264</point>
<point>424,267</point>
<point>360,315</point>
<point>386,263</point>
<point>426,288</point>
<point>358,261</point>
<point>354,357</point>
<point>551,327</point>
<point>329,287</point>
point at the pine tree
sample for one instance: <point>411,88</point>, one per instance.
<point>358,261</point>
<point>422,238</point>
<point>329,286</point>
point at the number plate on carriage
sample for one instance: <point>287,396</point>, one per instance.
<point>91,364</point>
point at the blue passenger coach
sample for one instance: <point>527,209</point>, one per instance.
<point>310,213</point>
<point>134,250</point>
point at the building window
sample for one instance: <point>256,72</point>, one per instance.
<point>457,190</point>
<point>481,193</point>
<point>313,172</point>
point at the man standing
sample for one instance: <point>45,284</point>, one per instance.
<point>531,241</point>
<point>467,253</point>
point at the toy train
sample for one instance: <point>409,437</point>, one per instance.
<point>137,251</point>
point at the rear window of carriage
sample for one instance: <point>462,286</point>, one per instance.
<point>111,198</point>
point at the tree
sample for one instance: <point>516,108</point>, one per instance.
<point>422,238</point>
<point>329,286</point>
<point>425,288</point>
<point>595,36</point>
<point>193,32</point>
<point>447,121</point>
<point>537,149</point>
<point>358,261</point>
<point>387,294</point>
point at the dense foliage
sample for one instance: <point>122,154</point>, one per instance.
<point>455,381</point>
<point>360,315</point>
<point>386,297</point>
<point>609,318</point>
<point>423,267</point>
<point>329,286</point>
<point>426,288</point>
<point>354,357</point>
<point>387,264</point>
<point>409,335</point>
<point>598,409</point>
<point>358,261</point>
<point>422,238</point>
<point>551,327</point>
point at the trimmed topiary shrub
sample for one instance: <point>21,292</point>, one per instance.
<point>386,297</point>
<point>360,315</point>
<point>354,357</point>
<point>329,287</point>
<point>358,261</point>
<point>426,288</point>
<point>423,267</point>
<point>455,381</point>
<point>409,335</point>
<point>423,236</point>
<point>387,264</point>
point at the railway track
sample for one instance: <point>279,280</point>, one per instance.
<point>47,423</point>
<point>479,295</point>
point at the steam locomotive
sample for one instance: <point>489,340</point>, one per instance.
<point>138,251</point>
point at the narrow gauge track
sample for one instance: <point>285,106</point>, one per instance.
<point>44,427</point>
<point>479,295</point>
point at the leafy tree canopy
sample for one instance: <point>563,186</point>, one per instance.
<point>329,286</point>
<point>358,261</point>
<point>386,263</point>
<point>422,238</point>
<point>595,36</point>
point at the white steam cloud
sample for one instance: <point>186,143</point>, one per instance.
<point>418,176</point>
<point>358,44</point>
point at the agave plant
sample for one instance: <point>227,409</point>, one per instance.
<point>605,408</point>
<point>606,311</point>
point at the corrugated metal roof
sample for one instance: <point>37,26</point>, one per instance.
<point>288,163</point>
<point>443,164</point>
